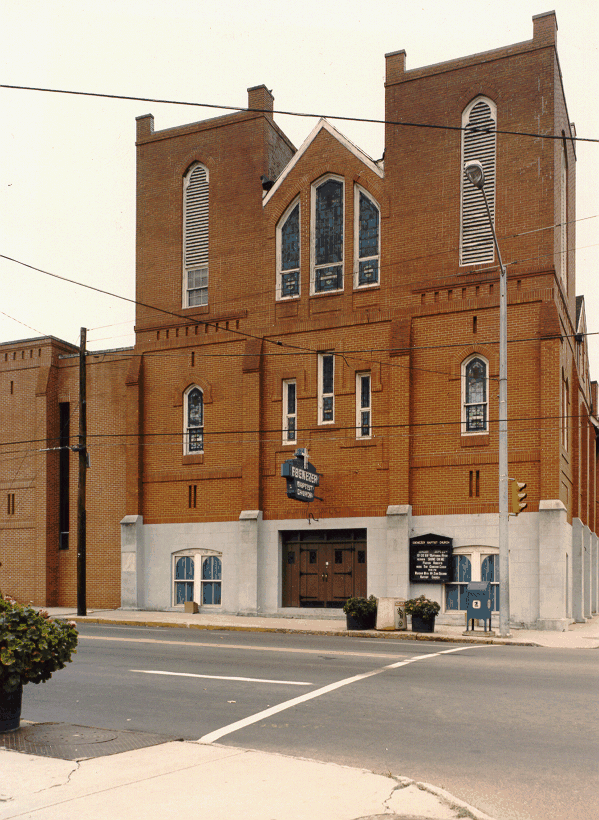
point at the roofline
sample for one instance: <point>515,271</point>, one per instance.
<point>320,125</point>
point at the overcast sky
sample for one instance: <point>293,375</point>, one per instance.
<point>67,173</point>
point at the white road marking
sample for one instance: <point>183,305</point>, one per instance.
<point>221,677</point>
<point>211,737</point>
<point>293,650</point>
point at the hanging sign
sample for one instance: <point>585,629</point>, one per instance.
<point>301,477</point>
<point>430,559</point>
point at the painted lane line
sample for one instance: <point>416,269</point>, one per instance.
<point>211,737</point>
<point>241,724</point>
<point>254,648</point>
<point>221,677</point>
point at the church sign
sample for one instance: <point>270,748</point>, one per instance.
<point>430,559</point>
<point>301,477</point>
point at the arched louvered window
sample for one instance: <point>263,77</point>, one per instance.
<point>475,414</point>
<point>366,239</point>
<point>478,143</point>
<point>288,254</point>
<point>327,227</point>
<point>195,237</point>
<point>193,407</point>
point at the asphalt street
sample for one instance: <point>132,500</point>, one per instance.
<point>511,729</point>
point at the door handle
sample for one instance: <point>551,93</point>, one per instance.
<point>325,576</point>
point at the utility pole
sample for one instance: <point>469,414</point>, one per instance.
<point>82,450</point>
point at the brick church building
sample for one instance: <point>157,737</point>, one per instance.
<point>317,299</point>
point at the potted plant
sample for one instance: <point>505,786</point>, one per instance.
<point>32,646</point>
<point>423,612</point>
<point>360,612</point>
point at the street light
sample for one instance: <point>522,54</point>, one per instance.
<point>476,174</point>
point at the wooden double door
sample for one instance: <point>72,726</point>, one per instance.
<point>323,568</point>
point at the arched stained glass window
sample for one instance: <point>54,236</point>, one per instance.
<point>194,420</point>
<point>289,254</point>
<point>328,236</point>
<point>475,415</point>
<point>184,576</point>
<point>211,580</point>
<point>367,240</point>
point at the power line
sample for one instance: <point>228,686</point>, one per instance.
<point>241,109</point>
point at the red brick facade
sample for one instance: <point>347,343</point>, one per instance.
<point>412,332</point>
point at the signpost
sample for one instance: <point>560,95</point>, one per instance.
<point>430,559</point>
<point>301,476</point>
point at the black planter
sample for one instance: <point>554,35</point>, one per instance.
<point>361,621</point>
<point>421,625</point>
<point>10,710</point>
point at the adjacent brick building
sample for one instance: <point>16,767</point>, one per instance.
<point>319,299</point>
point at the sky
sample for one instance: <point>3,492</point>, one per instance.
<point>67,163</point>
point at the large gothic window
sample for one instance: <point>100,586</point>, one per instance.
<point>367,240</point>
<point>327,228</point>
<point>288,254</point>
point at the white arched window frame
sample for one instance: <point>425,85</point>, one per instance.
<point>475,395</point>
<point>289,252</point>
<point>474,563</point>
<point>479,142</point>
<point>195,236</point>
<point>327,235</point>
<point>197,576</point>
<point>367,239</point>
<point>193,420</point>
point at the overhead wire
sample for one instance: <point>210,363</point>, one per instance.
<point>242,109</point>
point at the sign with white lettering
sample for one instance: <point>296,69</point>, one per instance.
<point>301,478</point>
<point>430,559</point>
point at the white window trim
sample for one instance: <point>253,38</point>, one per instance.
<point>315,186</point>
<point>198,557</point>
<point>565,411</point>
<point>281,223</point>
<point>465,364</point>
<point>490,185</point>
<point>187,269</point>
<point>286,414</point>
<point>359,408</point>
<point>481,552</point>
<point>186,449</point>
<point>357,191</point>
<point>321,393</point>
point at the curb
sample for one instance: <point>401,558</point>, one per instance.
<point>345,633</point>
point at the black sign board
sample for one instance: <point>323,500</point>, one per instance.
<point>430,559</point>
<point>301,478</point>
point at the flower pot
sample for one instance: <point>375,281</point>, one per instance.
<point>421,625</point>
<point>10,709</point>
<point>361,621</point>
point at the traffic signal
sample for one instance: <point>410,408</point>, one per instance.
<point>517,496</point>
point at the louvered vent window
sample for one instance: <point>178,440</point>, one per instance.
<point>478,143</point>
<point>195,239</point>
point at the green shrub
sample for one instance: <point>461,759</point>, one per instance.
<point>359,607</point>
<point>32,645</point>
<point>422,607</point>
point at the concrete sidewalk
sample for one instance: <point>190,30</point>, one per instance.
<point>183,779</point>
<point>578,636</point>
